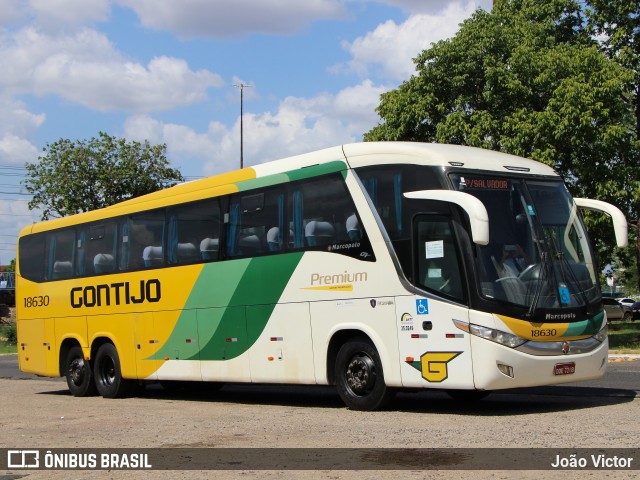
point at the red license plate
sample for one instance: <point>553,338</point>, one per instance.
<point>564,368</point>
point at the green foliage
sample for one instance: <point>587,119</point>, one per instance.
<point>528,78</point>
<point>624,337</point>
<point>78,176</point>
<point>12,335</point>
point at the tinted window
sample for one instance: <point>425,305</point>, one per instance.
<point>386,186</point>
<point>141,241</point>
<point>96,249</point>
<point>438,266</point>
<point>194,232</point>
<point>60,254</point>
<point>256,221</point>
<point>31,260</point>
<point>322,216</point>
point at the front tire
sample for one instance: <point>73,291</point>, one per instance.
<point>359,376</point>
<point>78,374</point>
<point>107,373</point>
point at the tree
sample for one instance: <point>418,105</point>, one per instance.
<point>78,176</point>
<point>526,78</point>
<point>617,23</point>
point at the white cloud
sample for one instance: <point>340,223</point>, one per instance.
<point>57,14</point>
<point>390,48</point>
<point>84,68</point>
<point>223,18</point>
<point>432,6</point>
<point>299,125</point>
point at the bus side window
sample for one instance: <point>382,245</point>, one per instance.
<point>96,249</point>
<point>141,241</point>
<point>32,254</point>
<point>256,219</point>
<point>60,254</point>
<point>437,264</point>
<point>193,232</point>
<point>322,213</point>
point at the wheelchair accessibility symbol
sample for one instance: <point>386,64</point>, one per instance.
<point>422,306</point>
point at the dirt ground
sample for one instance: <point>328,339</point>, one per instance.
<point>42,414</point>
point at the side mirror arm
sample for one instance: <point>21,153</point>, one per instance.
<point>473,207</point>
<point>620,227</point>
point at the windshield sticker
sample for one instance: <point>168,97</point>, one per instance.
<point>434,273</point>
<point>532,212</point>
<point>565,297</point>
<point>434,249</point>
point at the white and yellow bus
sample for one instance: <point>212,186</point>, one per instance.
<point>372,267</point>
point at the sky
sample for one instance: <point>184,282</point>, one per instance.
<point>168,71</point>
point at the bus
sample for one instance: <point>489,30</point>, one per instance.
<point>373,267</point>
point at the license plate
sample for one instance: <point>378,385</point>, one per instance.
<point>564,368</point>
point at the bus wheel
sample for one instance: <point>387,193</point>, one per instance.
<point>78,374</point>
<point>107,374</point>
<point>359,376</point>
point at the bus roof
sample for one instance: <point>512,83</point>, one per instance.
<point>340,157</point>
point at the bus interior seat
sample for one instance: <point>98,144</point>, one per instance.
<point>62,269</point>
<point>273,239</point>
<point>250,244</point>
<point>186,253</point>
<point>319,233</point>
<point>104,263</point>
<point>152,256</point>
<point>353,228</point>
<point>209,249</point>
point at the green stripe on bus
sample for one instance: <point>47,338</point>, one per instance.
<point>299,174</point>
<point>590,326</point>
<point>232,301</point>
<point>315,170</point>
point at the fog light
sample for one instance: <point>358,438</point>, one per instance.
<point>505,369</point>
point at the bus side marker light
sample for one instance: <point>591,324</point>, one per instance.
<point>409,359</point>
<point>231,340</point>
<point>188,340</point>
<point>454,335</point>
<point>270,358</point>
<point>505,369</point>
<point>277,339</point>
<point>419,335</point>
<point>166,358</point>
<point>153,341</point>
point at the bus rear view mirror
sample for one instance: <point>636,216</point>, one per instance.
<point>473,207</point>
<point>619,221</point>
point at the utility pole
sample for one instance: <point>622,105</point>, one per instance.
<point>241,86</point>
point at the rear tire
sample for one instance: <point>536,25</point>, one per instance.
<point>359,376</point>
<point>107,373</point>
<point>79,374</point>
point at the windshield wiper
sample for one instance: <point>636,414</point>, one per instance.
<point>544,265</point>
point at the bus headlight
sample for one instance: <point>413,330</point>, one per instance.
<point>601,336</point>
<point>503,338</point>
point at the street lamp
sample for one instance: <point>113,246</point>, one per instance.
<point>241,86</point>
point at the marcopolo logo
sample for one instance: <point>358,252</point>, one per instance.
<point>121,293</point>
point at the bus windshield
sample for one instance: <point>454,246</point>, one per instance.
<point>538,255</point>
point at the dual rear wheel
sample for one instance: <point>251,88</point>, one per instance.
<point>102,375</point>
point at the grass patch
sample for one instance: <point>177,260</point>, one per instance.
<point>8,339</point>
<point>624,337</point>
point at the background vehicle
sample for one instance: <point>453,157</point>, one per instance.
<point>614,310</point>
<point>371,267</point>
